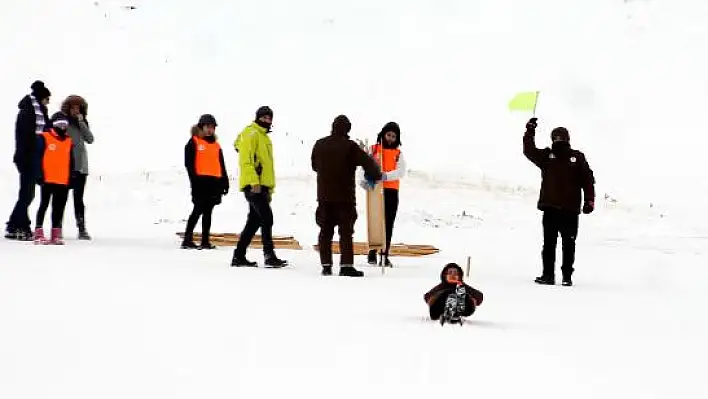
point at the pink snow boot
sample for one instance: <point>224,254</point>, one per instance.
<point>56,237</point>
<point>39,238</point>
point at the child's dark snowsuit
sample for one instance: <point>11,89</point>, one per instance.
<point>436,297</point>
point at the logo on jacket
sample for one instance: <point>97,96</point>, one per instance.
<point>52,147</point>
<point>572,159</point>
<point>201,147</point>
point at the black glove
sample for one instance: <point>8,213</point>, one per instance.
<point>588,207</point>
<point>531,125</point>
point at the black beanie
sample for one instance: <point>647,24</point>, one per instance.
<point>560,132</point>
<point>39,91</point>
<point>263,111</point>
<point>207,119</point>
<point>341,125</point>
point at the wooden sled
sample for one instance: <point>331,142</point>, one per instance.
<point>230,240</point>
<point>361,248</point>
<point>375,212</point>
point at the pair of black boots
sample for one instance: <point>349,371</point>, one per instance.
<point>372,259</point>
<point>271,261</point>
<point>188,242</point>
<point>551,280</point>
<point>346,271</point>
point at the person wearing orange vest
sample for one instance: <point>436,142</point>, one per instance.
<point>53,164</point>
<point>390,157</point>
<point>208,179</point>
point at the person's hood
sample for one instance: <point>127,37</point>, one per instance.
<point>449,266</point>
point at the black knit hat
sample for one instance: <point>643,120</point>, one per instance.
<point>59,118</point>
<point>207,119</point>
<point>39,91</point>
<point>560,133</point>
<point>263,111</point>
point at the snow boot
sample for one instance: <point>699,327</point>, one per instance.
<point>239,260</point>
<point>371,258</point>
<point>567,282</point>
<point>455,306</point>
<point>326,270</point>
<point>350,271</point>
<point>11,233</point>
<point>39,237</point>
<point>188,244</point>
<point>24,235</point>
<point>385,261</point>
<point>272,261</point>
<point>56,236</point>
<point>207,245</point>
<point>83,234</point>
<point>544,280</point>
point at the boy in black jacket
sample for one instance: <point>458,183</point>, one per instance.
<point>452,299</point>
<point>208,179</point>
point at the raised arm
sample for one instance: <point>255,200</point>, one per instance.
<point>531,152</point>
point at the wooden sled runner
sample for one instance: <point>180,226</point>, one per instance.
<point>361,248</point>
<point>230,240</point>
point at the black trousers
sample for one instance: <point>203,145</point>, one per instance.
<point>78,184</point>
<point>557,222</point>
<point>260,216</point>
<point>328,216</point>
<point>58,195</point>
<point>390,211</point>
<point>19,218</point>
<point>203,208</point>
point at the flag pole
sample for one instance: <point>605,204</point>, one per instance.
<point>535,103</point>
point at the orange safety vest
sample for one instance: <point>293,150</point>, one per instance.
<point>56,160</point>
<point>389,158</point>
<point>207,162</point>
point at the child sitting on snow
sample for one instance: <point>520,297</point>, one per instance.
<point>452,299</point>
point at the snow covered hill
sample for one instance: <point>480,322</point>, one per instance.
<point>129,315</point>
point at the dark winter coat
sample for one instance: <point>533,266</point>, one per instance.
<point>335,159</point>
<point>565,172</point>
<point>445,288</point>
<point>25,132</point>
<point>205,188</point>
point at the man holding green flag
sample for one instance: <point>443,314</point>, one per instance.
<point>565,173</point>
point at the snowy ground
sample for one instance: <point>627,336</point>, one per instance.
<point>130,315</point>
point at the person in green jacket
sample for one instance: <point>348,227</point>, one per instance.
<point>257,182</point>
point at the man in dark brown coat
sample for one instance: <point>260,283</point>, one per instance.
<point>565,172</point>
<point>335,159</point>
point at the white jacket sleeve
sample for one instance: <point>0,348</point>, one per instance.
<point>399,172</point>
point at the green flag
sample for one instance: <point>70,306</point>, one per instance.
<point>524,101</point>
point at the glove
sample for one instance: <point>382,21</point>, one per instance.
<point>588,207</point>
<point>384,176</point>
<point>368,183</point>
<point>531,125</point>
